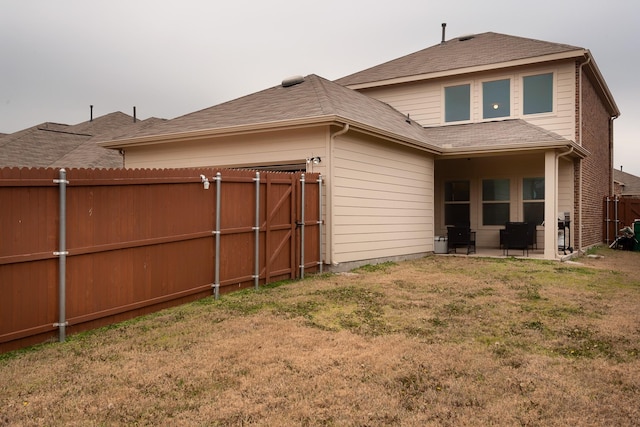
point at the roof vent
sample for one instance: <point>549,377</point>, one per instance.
<point>292,81</point>
<point>465,38</point>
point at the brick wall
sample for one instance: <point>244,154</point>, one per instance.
<point>597,180</point>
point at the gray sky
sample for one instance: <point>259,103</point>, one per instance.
<point>170,58</point>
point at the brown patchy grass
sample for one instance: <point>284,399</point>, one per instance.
<point>437,341</point>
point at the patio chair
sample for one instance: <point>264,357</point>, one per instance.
<point>461,237</point>
<point>517,235</point>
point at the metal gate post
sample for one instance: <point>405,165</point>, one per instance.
<point>216,280</point>
<point>62,257</point>
<point>256,271</point>
<point>320,223</point>
<point>302,226</point>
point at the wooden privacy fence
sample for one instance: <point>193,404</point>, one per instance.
<point>84,248</point>
<point>619,212</point>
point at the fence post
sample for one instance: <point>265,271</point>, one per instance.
<point>62,257</point>
<point>302,226</point>
<point>320,223</point>
<point>256,274</point>
<point>216,280</point>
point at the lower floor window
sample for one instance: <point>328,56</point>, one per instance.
<point>495,201</point>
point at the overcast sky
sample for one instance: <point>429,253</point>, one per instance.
<point>170,58</point>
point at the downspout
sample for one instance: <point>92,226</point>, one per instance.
<point>566,153</point>
<point>579,231</point>
<point>329,228</point>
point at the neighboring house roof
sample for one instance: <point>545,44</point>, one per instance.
<point>60,145</point>
<point>630,183</point>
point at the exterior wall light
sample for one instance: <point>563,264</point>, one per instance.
<point>314,160</point>
<point>205,182</point>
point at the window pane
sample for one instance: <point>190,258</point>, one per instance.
<point>533,189</point>
<point>455,214</point>
<point>496,99</point>
<point>495,213</point>
<point>456,191</point>
<point>457,103</point>
<point>534,212</point>
<point>538,93</point>
<point>495,189</point>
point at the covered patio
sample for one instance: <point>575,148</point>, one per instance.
<point>485,180</point>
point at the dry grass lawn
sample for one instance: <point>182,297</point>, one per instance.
<point>448,341</point>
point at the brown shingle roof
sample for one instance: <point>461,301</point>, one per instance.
<point>314,99</point>
<point>496,134</point>
<point>458,53</point>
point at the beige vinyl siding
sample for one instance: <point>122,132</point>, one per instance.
<point>247,150</point>
<point>424,101</point>
<point>562,120</point>
<point>382,200</point>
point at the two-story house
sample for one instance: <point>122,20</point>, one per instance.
<point>481,129</point>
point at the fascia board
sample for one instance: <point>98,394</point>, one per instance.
<point>513,148</point>
<point>216,132</point>
<point>469,70</point>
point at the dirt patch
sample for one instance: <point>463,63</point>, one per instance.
<point>436,341</point>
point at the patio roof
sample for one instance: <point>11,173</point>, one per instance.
<point>497,136</point>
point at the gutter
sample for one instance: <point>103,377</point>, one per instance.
<point>513,148</point>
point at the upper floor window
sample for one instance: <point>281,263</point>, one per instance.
<point>538,93</point>
<point>496,99</point>
<point>457,103</point>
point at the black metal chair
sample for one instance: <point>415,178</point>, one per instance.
<point>517,235</point>
<point>461,237</point>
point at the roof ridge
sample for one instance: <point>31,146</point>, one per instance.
<point>323,98</point>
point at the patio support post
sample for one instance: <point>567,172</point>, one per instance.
<point>550,205</point>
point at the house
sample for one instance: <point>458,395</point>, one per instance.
<point>71,146</point>
<point>626,184</point>
<point>481,129</point>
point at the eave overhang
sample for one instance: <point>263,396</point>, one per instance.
<point>577,151</point>
<point>253,128</point>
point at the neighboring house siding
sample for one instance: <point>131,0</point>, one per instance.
<point>597,181</point>
<point>424,101</point>
<point>382,200</point>
<point>238,151</point>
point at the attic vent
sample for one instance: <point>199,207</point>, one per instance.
<point>465,38</point>
<point>292,81</point>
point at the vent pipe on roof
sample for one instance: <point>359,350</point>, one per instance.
<point>134,114</point>
<point>90,113</point>
<point>444,26</point>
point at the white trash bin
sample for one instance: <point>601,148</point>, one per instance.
<point>440,245</point>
